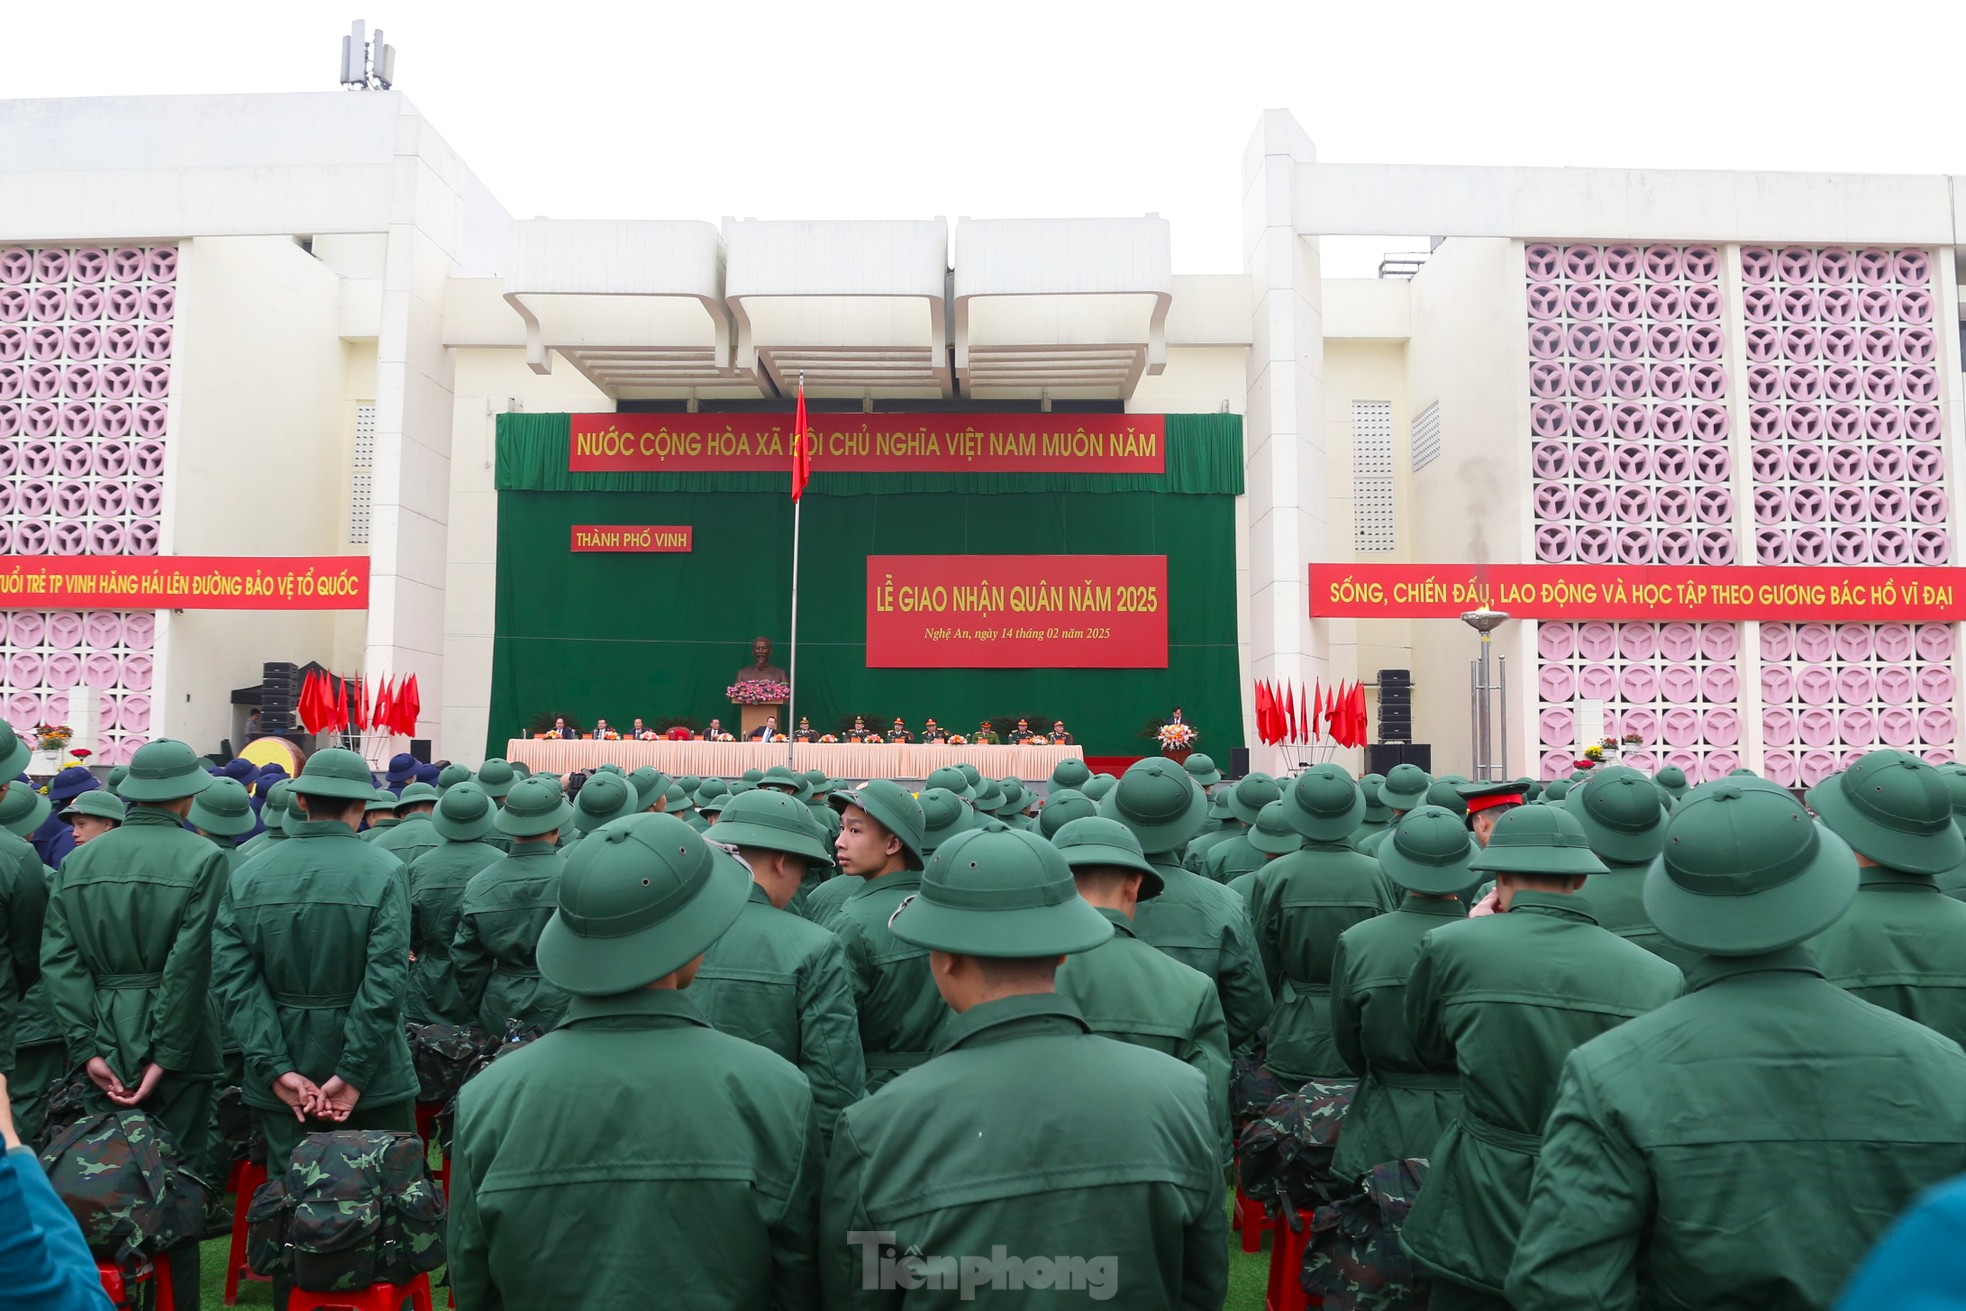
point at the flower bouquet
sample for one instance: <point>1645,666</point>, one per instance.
<point>610,736</point>
<point>1178,737</point>
<point>52,737</point>
<point>758,692</point>
<point>725,737</point>
<point>958,740</point>
<point>829,738</point>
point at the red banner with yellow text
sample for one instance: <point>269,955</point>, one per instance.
<point>1775,593</point>
<point>184,582</point>
<point>633,537</point>
<point>1017,612</point>
<point>871,443</point>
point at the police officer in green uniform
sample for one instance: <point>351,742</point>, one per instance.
<point>221,814</point>
<point>1405,788</point>
<point>501,915</point>
<point>1744,1145</point>
<point>127,959</point>
<point>1303,902</point>
<point>1623,815</point>
<point>635,1156</point>
<point>1029,1154</point>
<point>320,1026</point>
<point>413,834</point>
<point>1126,989</point>
<point>1234,856</point>
<point>1902,944</point>
<point>880,843</point>
<point>1503,1000</point>
<point>775,978</point>
<point>463,819</point>
<point>23,907</point>
<point>1201,924</point>
<point>1402,1102</point>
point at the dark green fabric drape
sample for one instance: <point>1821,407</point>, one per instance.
<point>1204,458</point>
<point>655,635</point>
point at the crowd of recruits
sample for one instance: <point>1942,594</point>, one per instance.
<point>1702,1051</point>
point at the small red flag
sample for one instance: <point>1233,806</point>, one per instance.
<point>1304,716</point>
<point>385,708</point>
<point>1268,726</point>
<point>1359,733</point>
<point>342,720</point>
<point>1341,715</point>
<point>801,455</point>
<point>411,703</point>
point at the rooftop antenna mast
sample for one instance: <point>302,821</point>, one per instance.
<point>366,65</point>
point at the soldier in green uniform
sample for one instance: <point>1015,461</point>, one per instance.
<point>1952,882</point>
<point>93,813</point>
<point>1484,804</point>
<point>880,844</point>
<point>1232,855</point>
<point>1201,924</point>
<point>1217,827</point>
<point>1901,945</point>
<point>1303,902</point>
<point>635,1156</point>
<point>1072,772</point>
<point>1029,1153</point>
<point>463,819</point>
<point>1405,788</point>
<point>1126,989</point>
<point>1402,1103</point>
<point>1200,768</point>
<point>1062,807</point>
<point>1671,780</point>
<point>603,799</point>
<point>380,814</point>
<point>503,910</point>
<point>321,1028</point>
<point>413,834</point>
<point>1272,835</point>
<point>944,815</point>
<point>25,1029</point>
<point>775,978</point>
<point>127,959</point>
<point>450,776</point>
<point>272,813</point>
<point>1503,1000</point>
<point>1744,1145</point>
<point>221,813</point>
<point>1623,815</point>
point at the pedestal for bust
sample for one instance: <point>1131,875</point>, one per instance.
<point>755,716</point>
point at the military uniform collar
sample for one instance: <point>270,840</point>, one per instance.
<point>1022,1016</point>
<point>1446,908</point>
<point>1556,905</point>
<point>533,850</point>
<point>668,1004</point>
<point>1121,924</point>
<point>901,878</point>
<point>1709,970</point>
<point>1883,876</point>
<point>157,816</point>
<point>758,893</point>
<point>1164,861</point>
<point>1328,846</point>
<point>319,828</point>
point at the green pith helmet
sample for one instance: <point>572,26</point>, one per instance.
<point>1247,796</point>
<point>949,779</point>
<point>1200,768</point>
<point>773,821</point>
<point>23,809</point>
<point>1093,842</point>
<point>166,770</point>
<point>1405,787</point>
<point>450,776</point>
<point>533,807</point>
<point>944,815</point>
<point>1323,804</point>
<point>1430,851</point>
<point>1272,833</point>
<point>1062,807</point>
<point>603,799</point>
<point>464,813</point>
<point>1072,773</point>
<point>1622,814</point>
<point>496,777</point>
<point>894,808</point>
<point>1376,810</point>
<point>1000,892</point>
<point>1539,840</point>
<point>1746,871</point>
<point>98,804</point>
<point>1894,809</point>
<point>1159,801</point>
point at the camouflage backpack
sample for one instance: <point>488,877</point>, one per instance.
<point>444,1055</point>
<point>355,1208</point>
<point>68,1101</point>
<point>1353,1260</point>
<point>1251,1089</point>
<point>515,1038</point>
<point>121,1177</point>
<point>1284,1158</point>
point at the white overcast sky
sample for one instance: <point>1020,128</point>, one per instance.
<point>1012,109</point>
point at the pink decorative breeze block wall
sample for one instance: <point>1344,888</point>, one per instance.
<point>85,385</point>
<point>1831,692</point>
<point>1632,451</point>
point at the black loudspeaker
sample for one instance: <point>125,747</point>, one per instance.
<point>279,694</point>
<point>1238,762</point>
<point>420,748</point>
<point>1395,705</point>
<point>1380,757</point>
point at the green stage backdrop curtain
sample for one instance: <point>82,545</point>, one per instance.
<point>657,635</point>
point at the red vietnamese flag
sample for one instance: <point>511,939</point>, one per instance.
<point>801,455</point>
<point>1320,709</point>
<point>341,717</point>
<point>384,708</point>
<point>411,705</point>
<point>304,703</point>
<point>1359,733</point>
<point>1304,715</point>
<point>1262,713</point>
<point>1341,715</point>
<point>358,706</point>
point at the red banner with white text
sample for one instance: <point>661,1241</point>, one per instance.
<point>1017,612</point>
<point>871,443</point>
<point>184,582</point>
<point>1773,593</point>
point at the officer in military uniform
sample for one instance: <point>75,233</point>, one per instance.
<point>1233,855</point>
<point>1126,989</point>
<point>1623,815</point>
<point>880,843</point>
<point>503,910</point>
<point>1485,804</point>
<point>985,736</point>
<point>635,1156</point>
<point>1201,924</point>
<point>1303,902</point>
<point>775,978</point>
<point>900,733</point>
<point>1021,734</point>
<point>413,834</point>
<point>321,1029</point>
<point>1503,1000</point>
<point>804,733</point>
<point>1744,1145</point>
<point>1405,788</point>
<point>1027,1138</point>
<point>1402,1103</point>
<point>126,955</point>
<point>932,732</point>
<point>1902,944</point>
<point>1059,737</point>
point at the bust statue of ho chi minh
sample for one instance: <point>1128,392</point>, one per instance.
<point>761,666</point>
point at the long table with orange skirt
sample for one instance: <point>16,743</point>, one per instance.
<point>838,760</point>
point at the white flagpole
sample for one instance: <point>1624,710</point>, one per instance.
<point>792,665</point>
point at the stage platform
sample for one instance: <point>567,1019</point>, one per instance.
<point>839,760</point>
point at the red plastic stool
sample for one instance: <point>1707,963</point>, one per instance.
<point>246,1176</point>
<point>1251,1221</point>
<point>376,1297</point>
<point>121,1287</point>
<point>1286,1288</point>
<point>426,1129</point>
